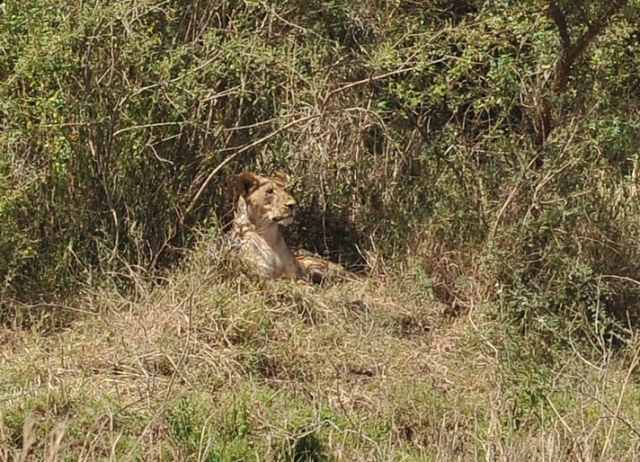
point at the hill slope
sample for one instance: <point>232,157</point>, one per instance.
<point>210,365</point>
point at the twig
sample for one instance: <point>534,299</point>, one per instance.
<point>188,302</point>
<point>28,438</point>
<point>136,127</point>
<point>244,149</point>
<point>35,306</point>
<point>380,77</point>
<point>289,23</point>
<point>564,423</point>
<point>475,327</point>
<point>512,194</point>
<point>620,278</point>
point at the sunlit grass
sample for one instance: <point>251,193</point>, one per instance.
<point>212,365</point>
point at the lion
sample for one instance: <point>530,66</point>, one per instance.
<point>263,206</point>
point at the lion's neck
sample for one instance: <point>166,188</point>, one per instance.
<point>271,234</point>
<point>281,260</point>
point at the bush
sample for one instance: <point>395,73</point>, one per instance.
<point>424,131</point>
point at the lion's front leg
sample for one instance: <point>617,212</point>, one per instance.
<point>317,269</point>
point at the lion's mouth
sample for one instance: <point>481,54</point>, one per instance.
<point>284,220</point>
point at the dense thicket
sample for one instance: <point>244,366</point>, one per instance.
<point>494,143</point>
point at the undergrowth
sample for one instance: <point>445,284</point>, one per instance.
<point>461,134</point>
<point>211,365</point>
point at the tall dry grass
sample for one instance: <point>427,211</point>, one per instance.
<point>209,364</point>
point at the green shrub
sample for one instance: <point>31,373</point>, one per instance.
<point>425,131</point>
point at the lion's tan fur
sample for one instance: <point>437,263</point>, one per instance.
<point>262,207</point>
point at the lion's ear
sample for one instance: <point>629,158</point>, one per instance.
<point>247,181</point>
<point>241,212</point>
<point>281,178</point>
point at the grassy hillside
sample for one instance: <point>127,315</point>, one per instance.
<point>210,365</point>
<point>475,163</point>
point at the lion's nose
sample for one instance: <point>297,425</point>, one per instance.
<point>292,206</point>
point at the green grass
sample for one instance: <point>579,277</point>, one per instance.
<point>211,365</point>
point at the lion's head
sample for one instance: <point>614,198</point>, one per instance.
<point>265,200</point>
<point>263,205</point>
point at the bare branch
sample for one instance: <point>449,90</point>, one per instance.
<point>572,53</point>
<point>561,23</point>
<point>569,55</point>
<point>244,149</point>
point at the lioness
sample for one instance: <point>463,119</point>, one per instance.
<point>263,205</point>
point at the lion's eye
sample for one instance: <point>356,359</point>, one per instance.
<point>269,191</point>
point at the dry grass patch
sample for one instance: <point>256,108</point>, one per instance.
<point>211,365</point>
